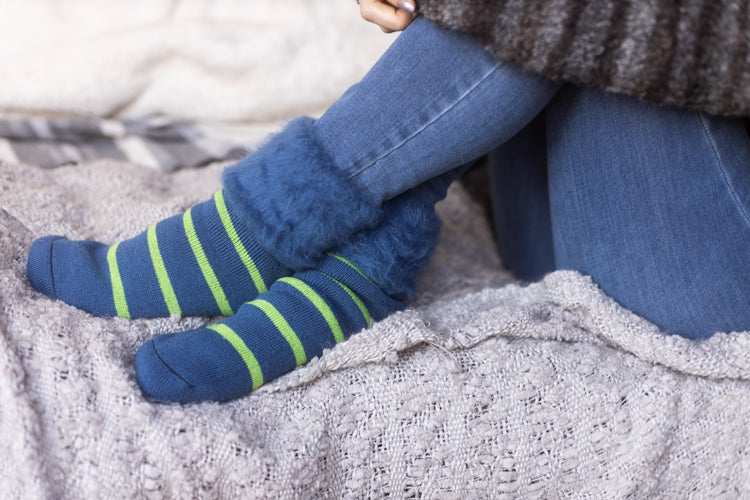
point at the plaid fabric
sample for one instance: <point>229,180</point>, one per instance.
<point>155,142</point>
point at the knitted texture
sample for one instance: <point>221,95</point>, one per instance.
<point>481,389</point>
<point>298,317</point>
<point>201,263</point>
<point>692,53</point>
<point>293,322</point>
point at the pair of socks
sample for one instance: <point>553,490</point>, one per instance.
<point>294,255</point>
<point>208,262</point>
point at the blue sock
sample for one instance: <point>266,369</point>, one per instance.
<point>283,328</point>
<point>298,317</point>
<point>286,203</point>
<point>204,262</point>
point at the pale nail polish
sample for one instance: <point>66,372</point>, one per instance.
<point>407,6</point>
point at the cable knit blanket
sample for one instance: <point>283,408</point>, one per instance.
<point>483,388</point>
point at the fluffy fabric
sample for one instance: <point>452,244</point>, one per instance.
<point>245,60</point>
<point>690,53</point>
<point>395,252</point>
<point>294,199</point>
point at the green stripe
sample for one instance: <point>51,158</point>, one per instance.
<point>349,263</point>
<point>320,304</point>
<point>283,327</point>
<point>118,291</point>
<point>361,305</point>
<point>208,272</point>
<point>234,237</point>
<point>246,354</point>
<point>161,272</point>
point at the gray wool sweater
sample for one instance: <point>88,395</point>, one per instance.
<point>691,53</point>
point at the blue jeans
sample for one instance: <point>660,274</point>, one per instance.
<point>652,202</point>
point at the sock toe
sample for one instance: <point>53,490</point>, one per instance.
<point>191,366</point>
<point>158,381</point>
<point>39,265</point>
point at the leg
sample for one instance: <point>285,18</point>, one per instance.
<point>652,202</point>
<point>520,203</point>
<point>436,100</point>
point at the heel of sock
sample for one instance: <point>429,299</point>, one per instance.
<point>393,254</point>
<point>372,301</point>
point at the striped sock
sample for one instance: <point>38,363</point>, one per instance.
<point>204,262</point>
<point>283,328</point>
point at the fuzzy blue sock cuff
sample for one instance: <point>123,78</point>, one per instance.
<point>393,254</point>
<point>297,203</point>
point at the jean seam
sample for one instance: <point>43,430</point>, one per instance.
<point>723,170</point>
<point>430,122</point>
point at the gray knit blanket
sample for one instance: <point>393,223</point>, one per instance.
<point>483,388</point>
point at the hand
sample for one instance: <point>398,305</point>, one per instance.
<point>390,15</point>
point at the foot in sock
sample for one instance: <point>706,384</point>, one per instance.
<point>298,317</point>
<point>269,336</point>
<point>286,204</point>
<point>204,262</point>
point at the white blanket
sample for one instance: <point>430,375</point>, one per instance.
<point>205,60</point>
<point>484,387</point>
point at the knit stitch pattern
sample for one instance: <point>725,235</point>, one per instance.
<point>200,263</point>
<point>692,53</point>
<point>300,315</point>
<point>483,388</point>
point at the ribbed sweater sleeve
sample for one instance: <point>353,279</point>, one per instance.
<point>692,53</point>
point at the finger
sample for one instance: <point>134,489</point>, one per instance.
<point>385,15</point>
<point>406,5</point>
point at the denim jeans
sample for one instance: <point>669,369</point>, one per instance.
<point>652,202</point>
<point>429,105</point>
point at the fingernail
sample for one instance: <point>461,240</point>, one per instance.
<point>407,6</point>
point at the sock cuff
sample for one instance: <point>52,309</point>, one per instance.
<point>393,254</point>
<point>294,199</point>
